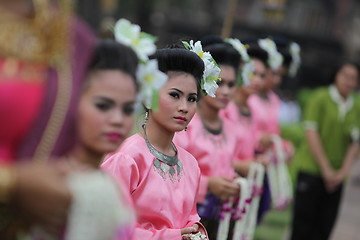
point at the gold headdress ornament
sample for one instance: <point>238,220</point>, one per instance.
<point>42,38</point>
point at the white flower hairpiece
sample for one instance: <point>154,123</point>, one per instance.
<point>211,72</point>
<point>240,47</point>
<point>130,35</point>
<point>150,78</point>
<point>247,70</point>
<point>294,50</point>
<point>275,59</point>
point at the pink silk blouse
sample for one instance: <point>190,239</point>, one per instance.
<point>214,153</point>
<point>163,206</point>
<point>244,128</point>
<point>265,113</point>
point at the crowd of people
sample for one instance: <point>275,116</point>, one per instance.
<point>208,160</point>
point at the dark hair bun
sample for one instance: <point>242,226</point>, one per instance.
<point>111,55</point>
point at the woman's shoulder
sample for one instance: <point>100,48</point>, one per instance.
<point>185,155</point>
<point>132,144</point>
<point>231,112</point>
<point>132,148</point>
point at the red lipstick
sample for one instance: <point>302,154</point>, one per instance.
<point>114,136</point>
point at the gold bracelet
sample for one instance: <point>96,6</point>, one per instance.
<point>7,183</point>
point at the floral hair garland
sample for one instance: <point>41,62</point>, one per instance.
<point>211,72</point>
<point>275,59</point>
<point>247,70</point>
<point>294,50</point>
<point>150,78</point>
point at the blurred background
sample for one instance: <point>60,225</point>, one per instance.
<point>328,31</point>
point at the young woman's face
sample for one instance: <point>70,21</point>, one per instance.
<point>257,81</point>
<point>105,113</point>
<point>346,79</point>
<point>177,102</point>
<point>226,89</point>
<point>273,78</point>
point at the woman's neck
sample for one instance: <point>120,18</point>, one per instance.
<point>264,94</point>
<point>241,98</point>
<point>159,137</point>
<point>209,115</point>
<point>81,156</point>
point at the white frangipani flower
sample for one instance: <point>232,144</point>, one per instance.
<point>210,78</point>
<point>129,34</point>
<point>151,81</point>
<point>211,71</point>
<point>197,48</point>
<point>247,72</point>
<point>294,50</point>
<point>240,47</point>
<point>275,58</point>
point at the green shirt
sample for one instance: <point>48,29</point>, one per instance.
<point>337,122</point>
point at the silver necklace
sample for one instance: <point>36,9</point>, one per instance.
<point>165,164</point>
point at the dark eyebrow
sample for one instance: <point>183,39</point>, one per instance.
<point>110,101</point>
<point>105,99</point>
<point>177,90</point>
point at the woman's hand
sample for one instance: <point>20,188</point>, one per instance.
<point>265,142</point>
<point>263,159</point>
<point>223,187</point>
<point>42,195</point>
<point>330,179</point>
<point>188,230</point>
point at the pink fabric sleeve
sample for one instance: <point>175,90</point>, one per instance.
<point>194,217</point>
<point>125,169</point>
<point>183,139</point>
<point>203,188</point>
<point>151,234</point>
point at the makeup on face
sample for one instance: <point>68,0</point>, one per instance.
<point>105,110</point>
<point>177,102</point>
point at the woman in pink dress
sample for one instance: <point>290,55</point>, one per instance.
<point>105,118</point>
<point>265,107</point>
<point>212,141</point>
<point>239,112</point>
<point>161,177</point>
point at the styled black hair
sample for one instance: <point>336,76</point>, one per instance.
<point>111,55</point>
<point>224,54</point>
<point>342,64</point>
<point>258,53</point>
<point>180,60</point>
<point>255,51</point>
<point>210,40</point>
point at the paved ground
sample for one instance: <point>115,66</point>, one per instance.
<point>348,224</point>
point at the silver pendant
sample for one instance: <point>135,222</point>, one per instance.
<point>157,163</point>
<point>165,167</point>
